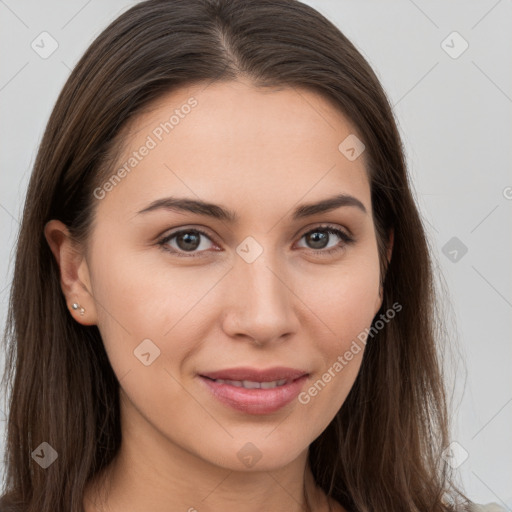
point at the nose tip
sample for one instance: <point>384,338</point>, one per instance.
<point>261,305</point>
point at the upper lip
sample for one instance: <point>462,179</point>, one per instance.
<point>255,374</point>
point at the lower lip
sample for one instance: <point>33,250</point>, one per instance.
<point>255,401</point>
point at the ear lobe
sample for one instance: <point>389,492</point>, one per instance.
<point>72,264</point>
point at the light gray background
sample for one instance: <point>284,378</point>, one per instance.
<point>454,115</point>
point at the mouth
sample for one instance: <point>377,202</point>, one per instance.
<point>255,391</point>
<point>251,384</point>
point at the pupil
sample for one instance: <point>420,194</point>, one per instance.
<point>188,238</point>
<point>322,239</point>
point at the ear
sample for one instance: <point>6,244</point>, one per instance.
<point>389,252</point>
<point>74,272</point>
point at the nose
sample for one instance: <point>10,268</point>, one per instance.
<point>261,303</point>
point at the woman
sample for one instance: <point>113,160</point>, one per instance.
<point>223,296</point>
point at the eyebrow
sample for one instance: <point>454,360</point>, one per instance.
<point>218,212</point>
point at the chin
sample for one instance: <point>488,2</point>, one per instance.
<point>261,452</point>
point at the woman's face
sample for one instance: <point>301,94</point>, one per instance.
<point>228,298</point>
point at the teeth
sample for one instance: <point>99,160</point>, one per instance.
<point>249,384</point>
<point>273,384</point>
<point>236,383</point>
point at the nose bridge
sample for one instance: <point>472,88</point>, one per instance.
<point>262,306</point>
<point>265,288</point>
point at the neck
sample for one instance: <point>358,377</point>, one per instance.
<point>132,483</point>
<point>151,472</point>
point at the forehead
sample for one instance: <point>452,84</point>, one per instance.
<point>227,139</point>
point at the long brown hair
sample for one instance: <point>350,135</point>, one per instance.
<point>384,449</point>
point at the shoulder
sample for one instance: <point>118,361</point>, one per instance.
<point>489,507</point>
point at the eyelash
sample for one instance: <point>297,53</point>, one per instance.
<point>347,239</point>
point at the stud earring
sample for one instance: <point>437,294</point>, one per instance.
<point>76,306</point>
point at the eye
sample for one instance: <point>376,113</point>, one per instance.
<point>187,241</point>
<point>319,237</point>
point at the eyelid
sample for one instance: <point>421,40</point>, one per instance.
<point>325,225</point>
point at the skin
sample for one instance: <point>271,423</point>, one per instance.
<point>259,153</point>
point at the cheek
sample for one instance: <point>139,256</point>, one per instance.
<point>139,311</point>
<point>346,304</point>
<point>346,299</point>
<point>139,300</point>
<point>136,294</point>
